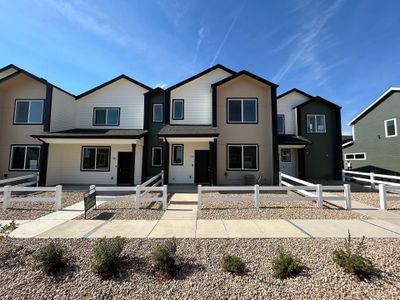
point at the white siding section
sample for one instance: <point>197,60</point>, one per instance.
<point>122,93</point>
<point>185,173</point>
<point>198,98</point>
<point>62,111</point>
<point>64,165</point>
<point>285,107</point>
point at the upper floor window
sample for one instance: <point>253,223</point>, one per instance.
<point>242,110</point>
<point>106,116</point>
<point>242,157</point>
<point>177,109</point>
<point>158,113</point>
<point>28,111</point>
<point>316,124</point>
<point>390,128</point>
<point>24,158</point>
<point>95,159</point>
<point>281,124</point>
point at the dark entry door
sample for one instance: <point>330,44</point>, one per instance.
<point>202,166</point>
<point>125,173</point>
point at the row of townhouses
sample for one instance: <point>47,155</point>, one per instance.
<point>217,127</point>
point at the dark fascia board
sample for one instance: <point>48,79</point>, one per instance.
<point>246,73</point>
<point>10,66</point>
<point>320,100</point>
<point>188,135</point>
<point>86,136</point>
<point>123,76</point>
<point>218,66</point>
<point>295,90</point>
<point>155,90</point>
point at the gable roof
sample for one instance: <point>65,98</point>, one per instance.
<point>374,104</point>
<point>123,76</point>
<point>10,66</point>
<point>217,66</point>
<point>294,90</point>
<point>246,73</point>
<point>319,99</point>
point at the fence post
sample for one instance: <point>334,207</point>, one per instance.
<point>6,195</point>
<point>57,203</point>
<point>165,196</point>
<point>319,195</point>
<point>372,178</point>
<point>280,178</point>
<point>382,197</point>
<point>343,176</point>
<point>199,200</point>
<point>256,195</point>
<point>138,192</point>
<point>347,196</point>
<point>162,177</point>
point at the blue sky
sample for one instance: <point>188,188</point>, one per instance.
<point>344,51</point>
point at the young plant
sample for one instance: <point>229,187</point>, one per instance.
<point>107,257</point>
<point>163,258</point>
<point>352,261</point>
<point>50,258</point>
<point>7,228</point>
<point>285,265</point>
<point>233,264</point>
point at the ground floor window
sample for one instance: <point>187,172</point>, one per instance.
<point>95,159</point>
<point>355,156</point>
<point>24,157</point>
<point>242,157</point>
<point>177,154</point>
<point>156,156</point>
<point>286,155</point>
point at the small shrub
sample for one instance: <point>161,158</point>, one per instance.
<point>163,258</point>
<point>50,258</point>
<point>107,256</point>
<point>7,228</point>
<point>352,261</point>
<point>285,265</point>
<point>233,264</point>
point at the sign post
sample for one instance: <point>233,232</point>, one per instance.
<point>90,199</point>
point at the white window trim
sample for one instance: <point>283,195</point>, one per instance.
<point>173,152</point>
<point>242,168</point>
<point>395,128</point>
<point>241,104</point>
<point>106,109</point>
<point>162,113</point>
<point>95,159</point>
<point>26,153</point>
<point>152,157</point>
<point>173,109</point>
<point>29,110</point>
<point>284,125</point>
<point>354,155</point>
<point>315,117</point>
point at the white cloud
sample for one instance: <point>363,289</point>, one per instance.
<point>162,85</point>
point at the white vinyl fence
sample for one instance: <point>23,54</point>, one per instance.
<point>135,194</point>
<point>8,196</point>
<point>384,197</point>
<point>26,180</point>
<point>372,178</point>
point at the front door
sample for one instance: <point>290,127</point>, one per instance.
<point>288,162</point>
<point>201,166</point>
<point>125,173</point>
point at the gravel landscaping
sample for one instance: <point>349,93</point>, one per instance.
<point>34,210</point>
<point>200,275</point>
<point>296,209</point>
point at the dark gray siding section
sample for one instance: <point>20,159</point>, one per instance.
<point>323,158</point>
<point>382,154</point>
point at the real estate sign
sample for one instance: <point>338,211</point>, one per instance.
<point>90,200</point>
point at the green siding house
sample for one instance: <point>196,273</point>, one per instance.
<point>375,146</point>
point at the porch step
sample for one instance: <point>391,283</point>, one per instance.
<point>179,202</point>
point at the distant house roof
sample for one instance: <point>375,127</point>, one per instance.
<point>188,131</point>
<point>94,133</point>
<point>295,90</point>
<point>218,66</point>
<point>123,76</point>
<point>374,104</point>
<point>246,73</point>
<point>346,138</point>
<point>290,139</point>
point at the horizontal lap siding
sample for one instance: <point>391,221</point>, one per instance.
<point>285,107</point>
<point>62,111</point>
<point>198,98</point>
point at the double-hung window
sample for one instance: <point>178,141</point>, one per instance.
<point>390,128</point>
<point>316,124</point>
<point>156,156</point>
<point>177,109</point>
<point>281,124</point>
<point>28,111</point>
<point>158,113</point>
<point>106,116</point>
<point>24,158</point>
<point>177,155</point>
<point>242,157</point>
<point>355,156</point>
<point>242,110</point>
<point>95,159</point>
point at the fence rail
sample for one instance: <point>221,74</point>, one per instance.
<point>383,195</point>
<point>370,178</point>
<point>8,197</point>
<point>27,180</point>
